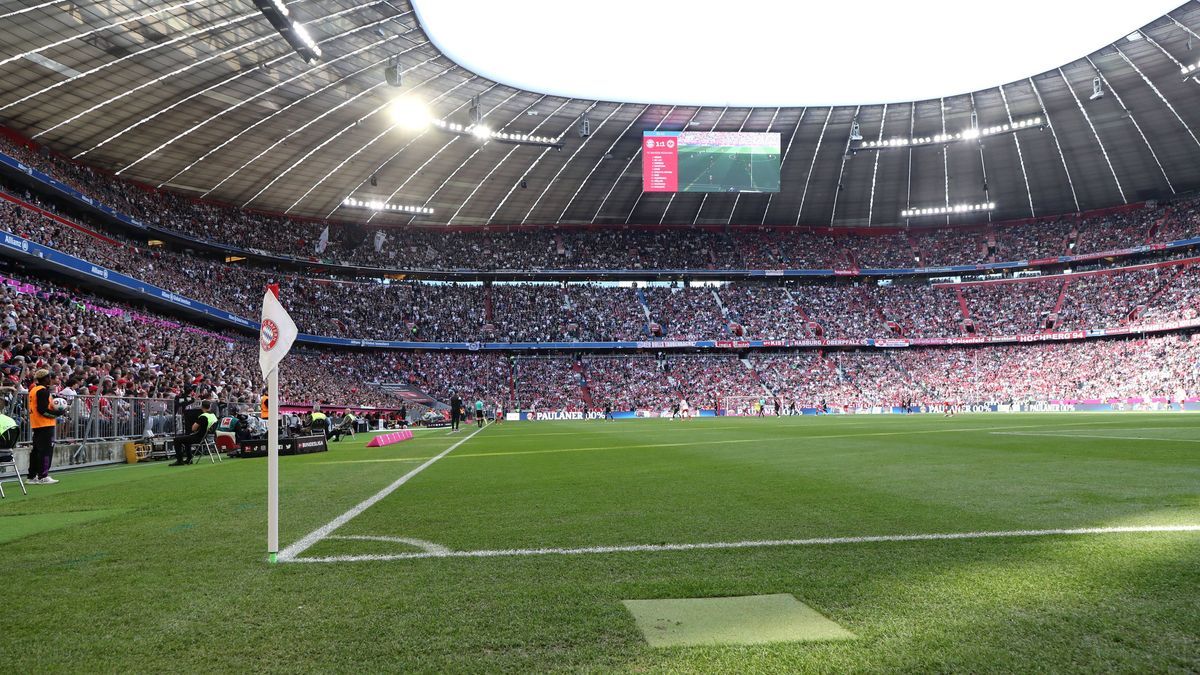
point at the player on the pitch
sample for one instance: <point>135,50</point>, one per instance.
<point>684,410</point>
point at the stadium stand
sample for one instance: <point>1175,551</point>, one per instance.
<point>565,248</point>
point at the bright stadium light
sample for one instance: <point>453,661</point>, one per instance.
<point>380,205</point>
<point>947,210</point>
<point>968,134</point>
<point>483,133</point>
<point>409,113</point>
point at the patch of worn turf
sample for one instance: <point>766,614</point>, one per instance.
<point>745,620</point>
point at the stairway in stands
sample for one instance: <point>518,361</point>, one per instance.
<point>645,305</point>
<point>814,328</point>
<point>1154,229</point>
<point>1135,313</point>
<point>585,392</point>
<point>967,324</point>
<point>757,378</point>
<point>415,398</point>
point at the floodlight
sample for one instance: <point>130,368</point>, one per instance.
<point>409,113</point>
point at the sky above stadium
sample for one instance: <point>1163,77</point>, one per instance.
<point>771,52</point>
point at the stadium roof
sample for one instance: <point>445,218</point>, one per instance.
<point>204,96</point>
<point>874,51</point>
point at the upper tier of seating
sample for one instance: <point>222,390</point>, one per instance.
<point>633,248</point>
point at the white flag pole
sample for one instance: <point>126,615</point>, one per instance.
<point>273,463</point>
<point>276,334</point>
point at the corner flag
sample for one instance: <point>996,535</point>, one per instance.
<point>276,333</point>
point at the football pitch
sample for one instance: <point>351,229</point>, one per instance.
<point>1048,542</point>
<point>728,169</point>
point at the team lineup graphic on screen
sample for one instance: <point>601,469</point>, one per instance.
<point>710,161</point>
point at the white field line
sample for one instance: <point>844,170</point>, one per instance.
<point>325,530</point>
<point>422,544</point>
<point>1107,438</point>
<point>769,543</point>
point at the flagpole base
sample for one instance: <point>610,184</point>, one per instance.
<point>273,558</point>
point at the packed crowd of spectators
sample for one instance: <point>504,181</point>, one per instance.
<point>1012,308</point>
<point>109,349</point>
<point>628,383</point>
<point>764,312</point>
<point>113,352</point>
<point>658,383</point>
<point>1164,366</point>
<point>622,247</point>
<point>547,384</point>
<point>682,313</point>
<point>539,312</point>
<point>815,379</point>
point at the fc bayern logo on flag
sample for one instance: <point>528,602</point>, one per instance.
<point>268,335</point>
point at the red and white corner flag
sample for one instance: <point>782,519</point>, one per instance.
<point>276,333</point>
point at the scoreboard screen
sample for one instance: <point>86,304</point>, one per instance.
<point>710,161</point>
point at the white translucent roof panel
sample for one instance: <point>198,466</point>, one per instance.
<point>773,53</point>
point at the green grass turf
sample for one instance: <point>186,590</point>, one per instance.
<point>708,169</point>
<point>18,526</point>
<point>179,581</point>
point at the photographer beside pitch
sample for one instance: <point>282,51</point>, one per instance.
<point>42,420</point>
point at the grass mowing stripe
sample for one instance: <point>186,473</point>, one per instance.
<point>323,531</point>
<point>715,442</point>
<point>768,543</point>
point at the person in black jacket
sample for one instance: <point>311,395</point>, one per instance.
<point>455,411</point>
<point>183,444</point>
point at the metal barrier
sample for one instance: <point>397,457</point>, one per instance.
<point>100,418</point>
